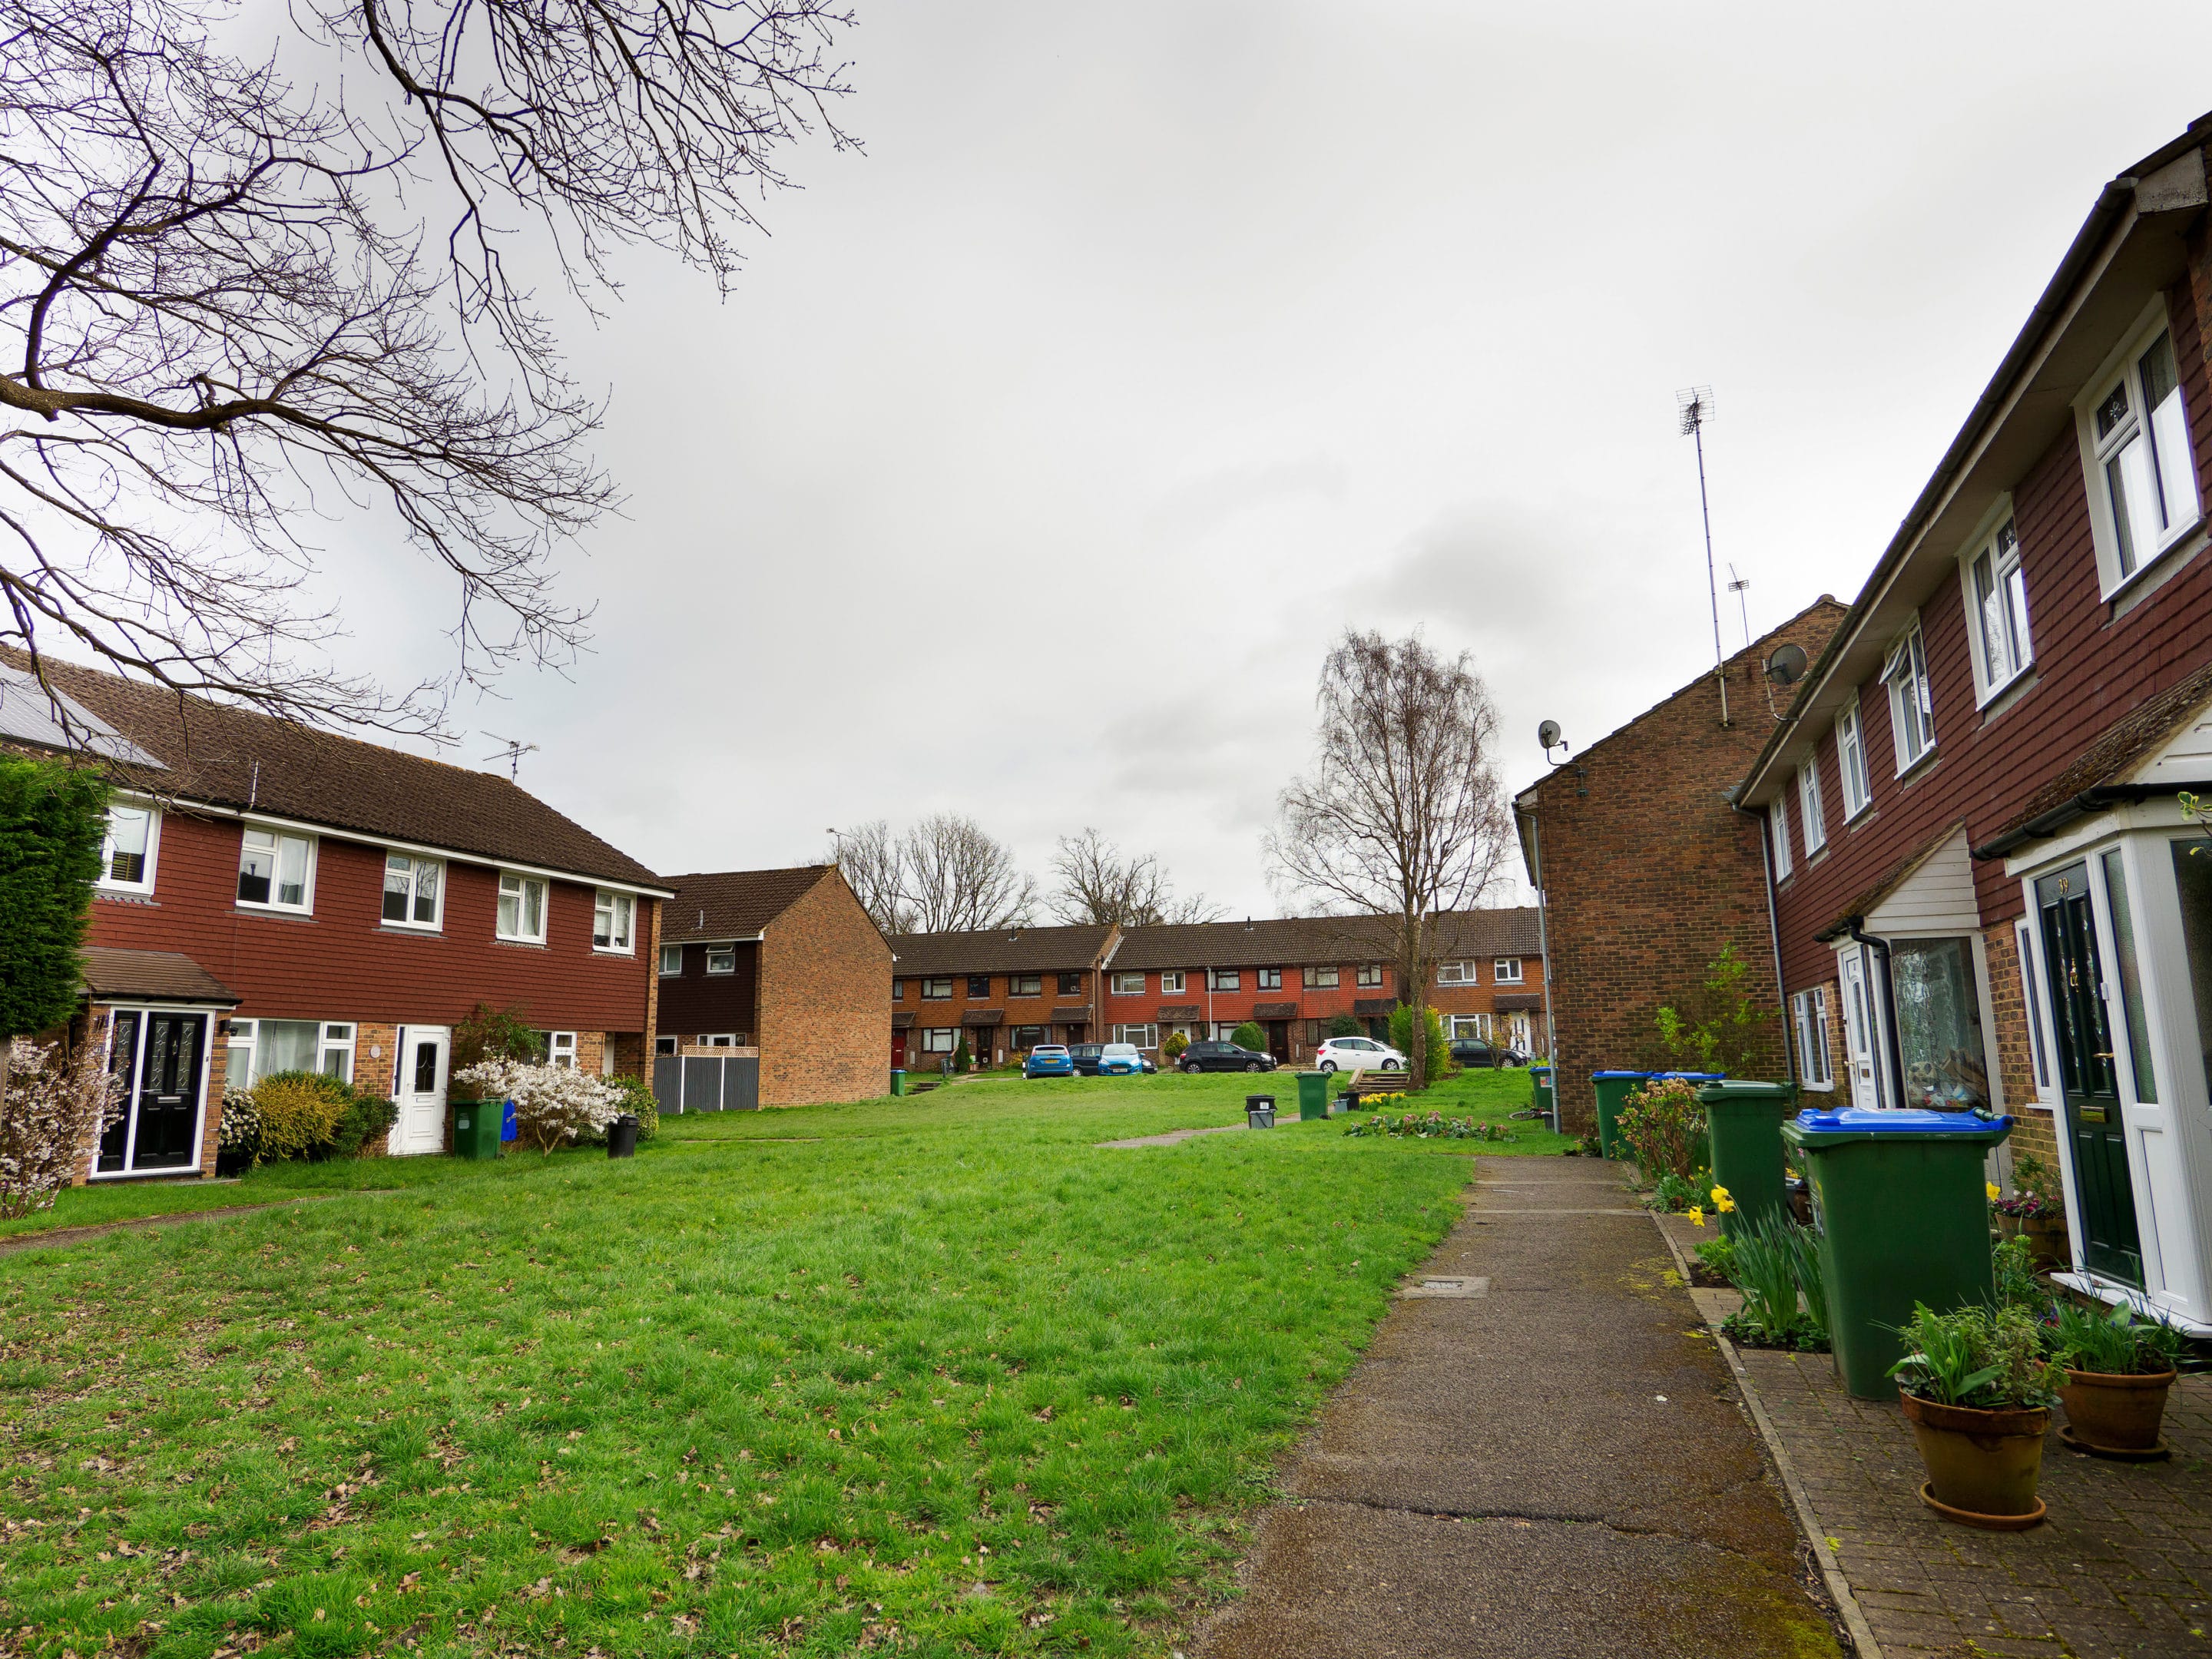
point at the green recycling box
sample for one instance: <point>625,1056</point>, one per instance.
<point>1313,1096</point>
<point>1902,1217</point>
<point>1613,1089</point>
<point>476,1127</point>
<point>1744,1121</point>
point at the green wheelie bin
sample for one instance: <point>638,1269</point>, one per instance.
<point>1313,1096</point>
<point>1613,1089</point>
<point>476,1127</point>
<point>1901,1216</point>
<point>1743,1120</point>
<point>1540,1090</point>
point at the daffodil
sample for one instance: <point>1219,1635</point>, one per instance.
<point>1722,1202</point>
<point>1995,1191</point>
<point>1696,1214</point>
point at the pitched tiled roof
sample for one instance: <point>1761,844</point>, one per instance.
<point>999,950</point>
<point>235,758</point>
<point>150,975</point>
<point>733,904</point>
<point>1295,941</point>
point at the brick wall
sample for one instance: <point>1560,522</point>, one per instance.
<point>1648,872</point>
<point>2034,1128</point>
<point>825,1008</point>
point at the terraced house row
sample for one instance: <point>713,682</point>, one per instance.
<point>1007,990</point>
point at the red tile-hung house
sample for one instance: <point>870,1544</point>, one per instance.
<point>1005,989</point>
<point>1985,892</point>
<point>275,898</point>
<point>1297,976</point>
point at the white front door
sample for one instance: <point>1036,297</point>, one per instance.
<point>1858,1031</point>
<point>420,1090</point>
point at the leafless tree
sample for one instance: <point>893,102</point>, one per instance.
<point>1402,816</point>
<point>240,291</point>
<point>959,879</point>
<point>1098,885</point>
<point>874,863</point>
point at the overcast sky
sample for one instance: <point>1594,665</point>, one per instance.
<point>1042,449</point>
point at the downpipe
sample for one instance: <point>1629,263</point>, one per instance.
<point>1891,1049</point>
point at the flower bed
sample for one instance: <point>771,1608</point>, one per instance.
<point>1430,1125</point>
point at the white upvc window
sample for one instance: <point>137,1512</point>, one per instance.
<point>521,908</point>
<point>721,958</point>
<point>1912,702</point>
<point>1128,985</point>
<point>1172,981</point>
<point>665,1045</point>
<point>613,918</point>
<point>2030,998</point>
<point>1851,761</point>
<point>1997,606</point>
<point>1458,973</point>
<point>277,871</point>
<point>338,1052</point>
<point>561,1048</point>
<point>127,852</point>
<point>1143,1037</point>
<point>1506,970</point>
<point>2135,444</point>
<point>1322,979</point>
<point>672,961</point>
<point>259,1047</point>
<point>1812,818</point>
<point>1777,836</point>
<point>414,892</point>
<point>1809,1014</point>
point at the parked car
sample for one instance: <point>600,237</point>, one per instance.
<point>1122,1060</point>
<point>1476,1051</point>
<point>1211,1056</point>
<point>1048,1060</point>
<point>1353,1054</point>
<point>1085,1056</point>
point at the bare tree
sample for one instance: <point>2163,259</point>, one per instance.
<point>234,297</point>
<point>959,879</point>
<point>874,863</point>
<point>1098,885</point>
<point>1402,816</point>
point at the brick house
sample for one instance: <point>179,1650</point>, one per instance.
<point>1007,989</point>
<point>274,897</point>
<point>1985,890</point>
<point>1295,977</point>
<point>1644,868</point>
<point>785,963</point>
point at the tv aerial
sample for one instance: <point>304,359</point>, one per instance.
<point>1694,407</point>
<point>513,754</point>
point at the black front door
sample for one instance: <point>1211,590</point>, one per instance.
<point>123,1063</point>
<point>2087,1077</point>
<point>158,1056</point>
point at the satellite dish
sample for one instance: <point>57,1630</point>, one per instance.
<point>1787,666</point>
<point>1548,735</point>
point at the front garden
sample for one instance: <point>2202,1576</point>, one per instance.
<point>936,1374</point>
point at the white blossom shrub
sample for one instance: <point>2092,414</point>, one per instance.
<point>240,1128</point>
<point>553,1104</point>
<point>56,1109</point>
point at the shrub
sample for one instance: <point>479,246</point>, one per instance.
<point>302,1113</point>
<point>637,1099</point>
<point>1401,1038</point>
<point>1345,1026</point>
<point>489,1033</point>
<point>554,1105</point>
<point>962,1060</point>
<point>1715,1027</point>
<point>1250,1035</point>
<point>52,817</point>
<point>239,1131</point>
<point>1984,1358</point>
<point>1665,1129</point>
<point>1172,1045</point>
<point>2012,1264</point>
<point>56,1106</point>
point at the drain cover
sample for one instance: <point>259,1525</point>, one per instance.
<point>1456,1285</point>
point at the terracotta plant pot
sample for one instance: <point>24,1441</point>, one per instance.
<point>2047,1239</point>
<point>2110,1413</point>
<point>1983,1467</point>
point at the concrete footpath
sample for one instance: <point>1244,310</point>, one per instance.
<point>1552,1463</point>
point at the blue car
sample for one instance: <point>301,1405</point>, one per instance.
<point>1122,1060</point>
<point>1048,1060</point>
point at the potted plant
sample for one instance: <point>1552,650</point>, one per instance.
<point>2118,1369</point>
<point>1977,1387</point>
<point>2032,1212</point>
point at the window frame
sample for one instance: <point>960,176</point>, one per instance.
<point>1368,976</point>
<point>149,859</point>
<point>665,1045</point>
<point>1851,718</point>
<point>729,953</point>
<point>1148,1035</point>
<point>1326,977</point>
<point>1071,985</point>
<point>1904,674</point>
<point>614,902</point>
<point>1518,976</point>
<point>416,861</point>
<point>1021,984</point>
<point>2034,1011</point>
<point>1811,810</point>
<point>1997,545</point>
<point>279,836</point>
<point>561,1049</point>
<point>1777,837</point>
<point>1123,985</point>
<point>898,989</point>
<point>666,972</point>
<point>1267,979</point>
<point>930,1045</point>
<point>1808,1018</point>
<point>521,892</point>
<point>2124,366</point>
<point>945,995</point>
<point>1172,981</point>
<point>340,1038</point>
<point>1225,978</point>
<point>978,985</point>
<point>1461,972</point>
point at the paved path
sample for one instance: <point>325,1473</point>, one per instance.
<point>1553,1468</point>
<point>1172,1137</point>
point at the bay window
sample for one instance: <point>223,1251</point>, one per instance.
<point>276,869</point>
<point>521,910</point>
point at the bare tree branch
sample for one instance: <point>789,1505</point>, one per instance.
<point>959,879</point>
<point>1098,884</point>
<point>874,863</point>
<point>1402,816</point>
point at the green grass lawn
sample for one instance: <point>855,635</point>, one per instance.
<point>933,1376</point>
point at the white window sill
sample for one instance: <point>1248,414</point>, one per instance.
<point>1910,775</point>
<point>423,929</point>
<point>2154,573</point>
<point>527,944</point>
<point>135,895</point>
<point>254,909</point>
<point>1999,700</point>
<point>1852,820</point>
<point>2189,535</point>
<point>611,951</point>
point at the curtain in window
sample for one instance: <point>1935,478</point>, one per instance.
<point>1939,1025</point>
<point>286,1045</point>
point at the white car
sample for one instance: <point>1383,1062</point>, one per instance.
<point>1356,1054</point>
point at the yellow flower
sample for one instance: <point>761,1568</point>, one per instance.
<point>1697,1215</point>
<point>1722,1202</point>
<point>1995,1191</point>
